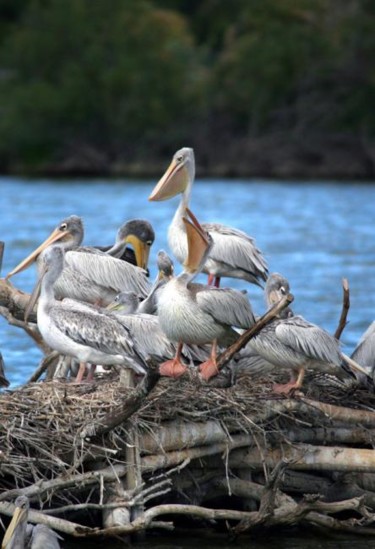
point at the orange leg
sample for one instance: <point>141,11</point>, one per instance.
<point>293,385</point>
<point>81,372</point>
<point>174,367</point>
<point>213,280</point>
<point>209,368</point>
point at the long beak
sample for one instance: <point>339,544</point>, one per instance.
<point>354,365</point>
<point>35,294</point>
<point>173,182</point>
<point>53,237</point>
<point>114,306</point>
<point>18,516</point>
<point>141,250</point>
<point>198,245</point>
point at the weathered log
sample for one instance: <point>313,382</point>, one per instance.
<point>14,300</point>
<point>307,457</point>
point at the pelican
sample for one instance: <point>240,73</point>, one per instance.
<point>198,314</point>
<point>89,275</point>
<point>146,331</point>
<point>364,353</point>
<point>78,331</point>
<point>139,234</point>
<point>3,380</point>
<point>18,532</point>
<point>291,342</point>
<point>233,253</point>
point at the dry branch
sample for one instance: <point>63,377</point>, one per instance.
<point>345,308</point>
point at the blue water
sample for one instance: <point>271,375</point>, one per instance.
<point>315,233</point>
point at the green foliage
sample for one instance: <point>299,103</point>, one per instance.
<point>134,76</point>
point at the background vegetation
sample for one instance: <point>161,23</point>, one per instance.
<point>271,87</point>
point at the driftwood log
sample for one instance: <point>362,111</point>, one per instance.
<point>167,448</point>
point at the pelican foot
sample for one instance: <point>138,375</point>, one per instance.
<point>208,369</point>
<point>287,389</point>
<point>172,368</point>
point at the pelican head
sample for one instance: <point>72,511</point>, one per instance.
<point>277,286</point>
<point>16,531</point>
<point>124,303</point>
<point>165,265</point>
<point>199,243</point>
<point>69,235</point>
<point>179,174</point>
<point>139,234</point>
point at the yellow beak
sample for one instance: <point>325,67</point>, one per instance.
<point>174,181</point>
<point>18,516</point>
<point>198,243</point>
<point>141,250</point>
<point>55,236</point>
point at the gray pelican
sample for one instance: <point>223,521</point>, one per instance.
<point>137,233</point>
<point>198,314</point>
<point>165,273</point>
<point>364,353</point>
<point>90,275</point>
<point>20,535</point>
<point>293,343</point>
<point>233,253</point>
<point>79,331</point>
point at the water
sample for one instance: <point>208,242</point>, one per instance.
<point>314,233</point>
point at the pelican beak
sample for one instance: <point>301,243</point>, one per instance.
<point>35,294</point>
<point>19,515</point>
<point>199,243</point>
<point>114,306</point>
<point>173,182</point>
<point>274,297</point>
<point>53,237</point>
<point>141,250</point>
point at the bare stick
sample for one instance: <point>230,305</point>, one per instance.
<point>130,405</point>
<point>44,364</point>
<point>345,308</point>
<point>228,354</point>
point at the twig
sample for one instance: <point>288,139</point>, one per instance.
<point>2,246</point>
<point>344,310</point>
<point>228,354</point>
<point>43,366</point>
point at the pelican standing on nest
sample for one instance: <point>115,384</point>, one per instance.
<point>233,253</point>
<point>90,275</point>
<point>19,532</point>
<point>293,343</point>
<point>195,313</point>
<point>81,332</point>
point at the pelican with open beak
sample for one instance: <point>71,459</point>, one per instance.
<point>195,313</point>
<point>233,253</point>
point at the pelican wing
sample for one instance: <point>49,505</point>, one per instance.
<point>147,335</point>
<point>101,332</point>
<point>109,272</point>
<point>238,248</point>
<point>364,353</point>
<point>307,338</point>
<point>225,305</point>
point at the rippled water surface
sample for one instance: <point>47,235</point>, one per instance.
<point>315,233</point>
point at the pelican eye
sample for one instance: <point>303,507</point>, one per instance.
<point>180,158</point>
<point>63,227</point>
<point>149,242</point>
<point>283,290</point>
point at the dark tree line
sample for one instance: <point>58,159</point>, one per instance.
<point>257,86</point>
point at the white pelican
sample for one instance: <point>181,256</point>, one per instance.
<point>198,314</point>
<point>364,353</point>
<point>20,535</point>
<point>79,331</point>
<point>89,274</point>
<point>293,343</point>
<point>233,253</point>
